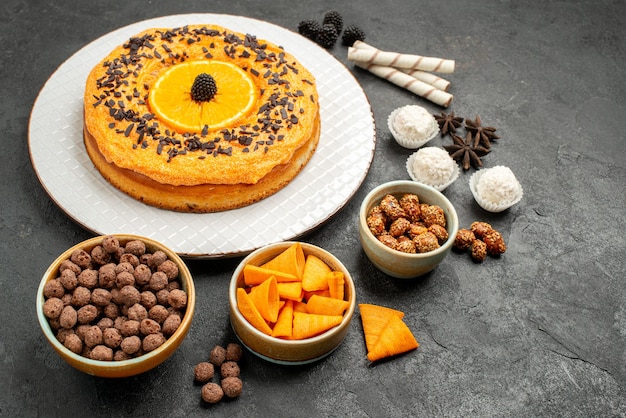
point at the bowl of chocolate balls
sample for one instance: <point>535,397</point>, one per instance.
<point>407,228</point>
<point>116,305</point>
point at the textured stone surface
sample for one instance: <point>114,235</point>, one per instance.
<point>540,331</point>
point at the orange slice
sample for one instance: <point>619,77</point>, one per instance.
<point>170,96</point>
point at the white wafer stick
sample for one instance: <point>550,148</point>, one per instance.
<point>412,84</point>
<point>395,59</point>
<point>433,80</point>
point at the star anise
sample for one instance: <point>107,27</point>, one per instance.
<point>448,122</point>
<point>485,133</point>
<point>467,151</point>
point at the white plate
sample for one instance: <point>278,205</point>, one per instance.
<point>331,178</point>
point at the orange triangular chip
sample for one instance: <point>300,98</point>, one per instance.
<point>290,261</point>
<point>374,318</point>
<point>254,275</point>
<point>265,298</point>
<point>307,325</point>
<point>284,325</point>
<point>299,306</point>
<point>326,306</point>
<point>290,290</point>
<point>396,338</point>
<point>314,275</point>
<point>336,284</point>
<point>250,312</point>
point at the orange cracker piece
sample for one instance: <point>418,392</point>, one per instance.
<point>306,325</point>
<point>290,261</point>
<point>284,324</point>
<point>396,338</point>
<point>314,276</point>
<point>374,318</point>
<point>336,284</point>
<point>307,295</point>
<point>265,298</point>
<point>299,307</point>
<point>250,312</point>
<point>326,306</point>
<point>290,290</point>
<point>254,275</point>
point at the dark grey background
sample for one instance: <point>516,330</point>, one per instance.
<point>538,332</point>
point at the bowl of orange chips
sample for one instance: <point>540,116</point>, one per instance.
<point>291,302</point>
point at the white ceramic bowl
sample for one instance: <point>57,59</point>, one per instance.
<point>281,351</point>
<point>123,368</point>
<point>395,263</point>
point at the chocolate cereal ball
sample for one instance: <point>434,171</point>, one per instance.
<point>136,247</point>
<point>111,337</point>
<point>229,369</point>
<point>171,324</point>
<point>68,318</point>
<point>81,258</point>
<point>158,313</point>
<point>157,258</point>
<point>169,268</point>
<point>93,337</point>
<point>177,298</point>
<point>102,353</point>
<point>234,352</point>
<point>110,244</point>
<point>73,343</point>
<point>53,307</point>
<point>106,276</point>
<point>203,372</point>
<point>158,281</point>
<point>131,345</point>
<point>68,279</point>
<point>212,393</point>
<point>53,289</point>
<point>217,355</point>
<point>81,296</point>
<point>142,274</point>
<point>86,314</point>
<point>100,297</point>
<point>137,312</point>
<point>149,326</point>
<point>152,342</point>
<point>232,386</point>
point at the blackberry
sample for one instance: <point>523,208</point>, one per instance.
<point>203,88</point>
<point>351,35</point>
<point>309,29</point>
<point>335,19</point>
<point>327,36</point>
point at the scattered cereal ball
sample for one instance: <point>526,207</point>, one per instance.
<point>171,324</point>
<point>234,352</point>
<point>93,337</point>
<point>480,229</point>
<point>137,312</point>
<point>152,342</point>
<point>478,251</point>
<point>81,296</point>
<point>149,326</point>
<point>86,314</point>
<point>53,289</point>
<point>212,393</point>
<point>53,307</point>
<point>232,386</point>
<point>68,279</point>
<point>102,353</point>
<point>177,299</point>
<point>229,369</point>
<point>426,242</point>
<point>68,317</point>
<point>495,243</point>
<point>111,337</point>
<point>73,343</point>
<point>217,355</point>
<point>99,255</point>
<point>130,345</point>
<point>203,372</point>
<point>464,239</point>
<point>110,244</point>
<point>81,258</point>
<point>169,268</point>
<point>136,247</point>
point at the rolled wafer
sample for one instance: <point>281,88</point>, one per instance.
<point>408,82</point>
<point>426,77</point>
<point>395,59</point>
